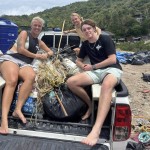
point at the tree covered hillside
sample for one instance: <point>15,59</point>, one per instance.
<point>122,17</point>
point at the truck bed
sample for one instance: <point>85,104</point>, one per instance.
<point>46,134</point>
<point>49,135</point>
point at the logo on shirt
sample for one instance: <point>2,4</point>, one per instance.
<point>98,47</point>
<point>37,48</point>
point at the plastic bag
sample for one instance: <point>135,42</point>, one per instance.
<point>29,106</point>
<point>146,77</point>
<point>62,104</point>
<point>134,146</point>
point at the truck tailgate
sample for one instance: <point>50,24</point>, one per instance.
<point>17,142</point>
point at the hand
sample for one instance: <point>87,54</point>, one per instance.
<point>87,67</point>
<point>77,50</point>
<point>41,56</point>
<point>66,32</point>
<point>49,54</point>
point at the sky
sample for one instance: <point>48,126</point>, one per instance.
<point>27,7</point>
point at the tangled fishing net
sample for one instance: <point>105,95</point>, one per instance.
<point>50,75</point>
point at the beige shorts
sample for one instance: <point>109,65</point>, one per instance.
<point>98,75</point>
<point>18,62</point>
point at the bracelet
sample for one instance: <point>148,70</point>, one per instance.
<point>94,67</point>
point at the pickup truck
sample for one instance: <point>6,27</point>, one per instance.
<point>41,133</point>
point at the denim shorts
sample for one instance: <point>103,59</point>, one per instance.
<point>18,62</point>
<point>98,75</point>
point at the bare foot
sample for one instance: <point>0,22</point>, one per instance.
<point>3,130</point>
<point>92,138</point>
<point>4,127</point>
<point>87,114</point>
<point>18,114</point>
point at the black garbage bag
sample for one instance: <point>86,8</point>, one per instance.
<point>62,104</point>
<point>137,61</point>
<point>135,146</point>
<point>146,77</point>
<point>147,59</point>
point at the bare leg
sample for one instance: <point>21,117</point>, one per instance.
<point>103,108</point>
<point>27,74</point>
<point>77,87</point>
<point>9,72</point>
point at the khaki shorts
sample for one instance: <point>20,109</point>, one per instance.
<point>18,62</point>
<point>98,75</point>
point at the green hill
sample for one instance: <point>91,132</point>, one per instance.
<point>122,17</point>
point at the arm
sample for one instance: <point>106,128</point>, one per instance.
<point>21,45</point>
<point>109,61</point>
<point>80,59</point>
<point>70,31</point>
<point>22,50</point>
<point>87,67</point>
<point>43,46</point>
<point>80,63</point>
